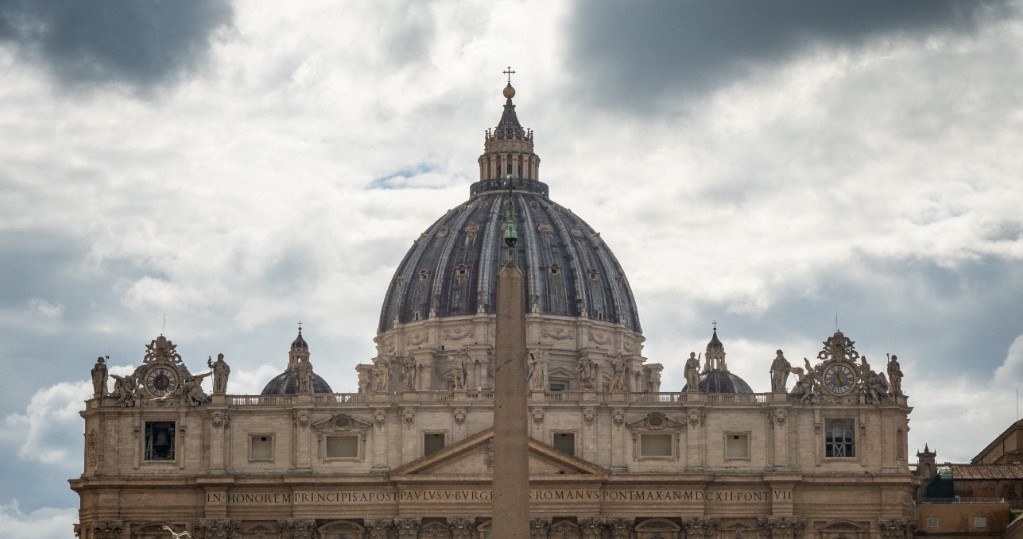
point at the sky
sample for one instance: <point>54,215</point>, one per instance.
<point>218,171</point>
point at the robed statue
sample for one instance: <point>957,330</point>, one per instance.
<point>692,372</point>
<point>780,370</point>
<point>99,378</point>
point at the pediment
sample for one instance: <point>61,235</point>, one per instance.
<point>656,421</point>
<point>341,423</point>
<point>473,457</point>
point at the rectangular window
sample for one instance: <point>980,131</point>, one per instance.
<point>565,442</point>
<point>736,446</point>
<point>980,522</point>
<point>932,522</point>
<point>655,445</point>
<point>159,440</point>
<point>343,447</point>
<point>261,447</point>
<point>839,438</point>
<point>432,442</point>
<point>558,386</point>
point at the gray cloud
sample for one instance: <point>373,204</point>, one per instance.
<point>626,54</point>
<point>139,43</point>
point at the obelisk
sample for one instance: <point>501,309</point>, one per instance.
<point>511,435</point>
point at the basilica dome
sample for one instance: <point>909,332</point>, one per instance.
<point>451,268</point>
<point>437,318</point>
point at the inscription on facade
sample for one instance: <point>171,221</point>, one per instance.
<point>484,495</point>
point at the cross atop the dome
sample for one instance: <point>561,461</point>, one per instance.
<point>508,72</point>
<point>299,326</point>
<point>715,325</point>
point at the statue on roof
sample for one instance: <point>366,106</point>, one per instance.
<point>618,373</point>
<point>894,376</point>
<point>381,372</point>
<point>692,372</point>
<point>99,378</point>
<point>537,370</point>
<point>408,374</point>
<point>780,370</point>
<point>221,370</point>
<point>126,390</point>
<point>460,367</point>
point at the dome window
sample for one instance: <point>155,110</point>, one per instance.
<point>554,269</point>
<point>594,275</point>
<point>461,270</point>
<point>424,275</point>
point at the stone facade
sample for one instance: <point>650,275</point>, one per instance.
<point>411,454</point>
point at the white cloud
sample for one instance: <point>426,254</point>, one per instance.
<point>42,523</point>
<point>1010,373</point>
<point>51,425</point>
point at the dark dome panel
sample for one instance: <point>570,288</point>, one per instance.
<point>286,383</point>
<point>451,269</point>
<point>721,382</point>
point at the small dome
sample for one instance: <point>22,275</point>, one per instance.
<point>721,382</point>
<point>286,383</point>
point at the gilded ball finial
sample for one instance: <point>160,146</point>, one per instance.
<point>509,91</point>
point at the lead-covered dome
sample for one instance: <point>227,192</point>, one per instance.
<point>451,268</point>
<point>715,377</point>
<point>290,382</point>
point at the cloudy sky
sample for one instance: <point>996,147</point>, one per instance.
<point>218,171</point>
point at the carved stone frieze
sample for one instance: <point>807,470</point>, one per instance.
<point>780,527</point>
<point>408,415</point>
<point>777,416</point>
<point>599,337</point>
<point>220,419</point>
<point>592,527</point>
<point>417,339</point>
<point>618,416</point>
<point>216,529</point>
<point>620,528</point>
<point>300,418</point>
<point>538,415</point>
<point>539,527</point>
<point>379,529</point>
<point>407,528</point>
<point>107,530</point>
<point>696,416</point>
<point>379,417</point>
<point>459,415</point>
<point>701,527</point>
<point>589,415</point>
<point>457,333</point>
<point>558,334</point>
<point>462,527</point>
<point>296,529</point>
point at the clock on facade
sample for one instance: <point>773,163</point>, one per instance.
<point>839,379</point>
<point>161,381</point>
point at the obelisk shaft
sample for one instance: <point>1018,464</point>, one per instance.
<point>511,434</point>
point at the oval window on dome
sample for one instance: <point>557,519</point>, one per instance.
<point>424,275</point>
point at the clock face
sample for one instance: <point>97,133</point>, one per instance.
<point>161,381</point>
<point>839,379</point>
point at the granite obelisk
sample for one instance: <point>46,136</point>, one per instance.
<point>511,434</point>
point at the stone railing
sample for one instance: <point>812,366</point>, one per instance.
<point>959,499</point>
<point>260,400</point>
<point>679,398</point>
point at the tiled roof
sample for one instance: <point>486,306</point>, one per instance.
<point>986,471</point>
